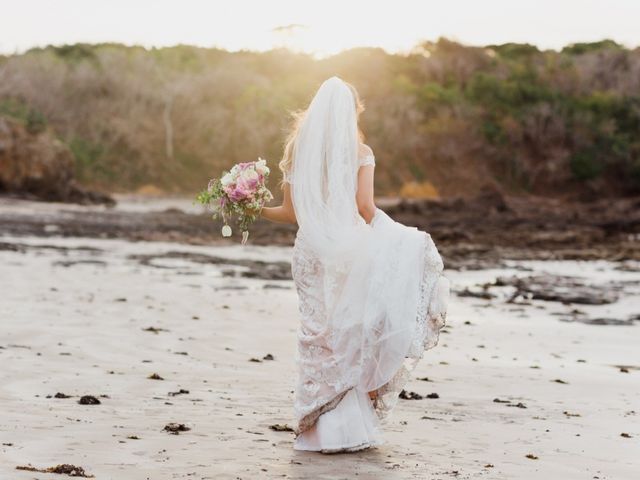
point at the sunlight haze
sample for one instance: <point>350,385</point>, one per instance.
<point>321,28</point>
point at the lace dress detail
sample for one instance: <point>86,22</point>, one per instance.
<point>370,341</point>
<point>320,387</point>
<point>430,318</point>
<point>366,156</point>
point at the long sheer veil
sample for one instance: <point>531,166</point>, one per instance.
<point>369,293</point>
<point>324,172</point>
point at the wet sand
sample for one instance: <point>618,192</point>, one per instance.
<point>204,336</point>
<point>471,233</point>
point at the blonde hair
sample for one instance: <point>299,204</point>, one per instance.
<point>298,116</point>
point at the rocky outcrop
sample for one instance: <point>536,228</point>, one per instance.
<point>35,164</point>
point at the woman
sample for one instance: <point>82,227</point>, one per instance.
<point>372,297</point>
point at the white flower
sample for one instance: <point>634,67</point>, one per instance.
<point>226,180</point>
<point>249,174</point>
<point>261,166</point>
<point>226,231</point>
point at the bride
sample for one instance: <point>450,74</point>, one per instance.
<point>371,293</point>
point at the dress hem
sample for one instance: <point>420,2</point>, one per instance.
<point>343,449</point>
<point>430,319</point>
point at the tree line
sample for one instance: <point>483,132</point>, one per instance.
<point>445,119</point>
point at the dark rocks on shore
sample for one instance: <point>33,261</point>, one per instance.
<point>257,269</point>
<point>182,391</point>
<point>155,330</point>
<point>471,233</point>
<point>62,469</point>
<point>555,288</point>
<point>279,427</point>
<point>602,320</point>
<point>176,428</point>
<point>35,164</point>
<point>405,395</point>
<point>483,294</point>
<point>88,400</point>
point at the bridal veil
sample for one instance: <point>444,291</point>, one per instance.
<point>372,297</point>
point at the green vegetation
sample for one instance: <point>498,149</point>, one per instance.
<point>456,116</point>
<point>31,118</point>
<point>88,158</point>
<point>581,48</point>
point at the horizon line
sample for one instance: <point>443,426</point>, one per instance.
<point>314,55</point>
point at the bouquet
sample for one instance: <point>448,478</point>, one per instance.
<point>240,192</point>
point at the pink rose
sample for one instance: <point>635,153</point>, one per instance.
<point>237,191</point>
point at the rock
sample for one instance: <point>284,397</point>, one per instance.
<point>256,269</point>
<point>489,201</point>
<point>602,320</point>
<point>483,294</point>
<point>555,288</point>
<point>176,428</point>
<point>278,427</point>
<point>38,165</point>
<point>155,330</point>
<point>62,469</point>
<point>182,391</point>
<point>410,395</point>
<point>88,400</point>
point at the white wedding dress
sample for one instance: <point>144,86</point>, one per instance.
<point>372,297</point>
<point>333,409</point>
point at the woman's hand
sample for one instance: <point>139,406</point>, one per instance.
<point>253,211</point>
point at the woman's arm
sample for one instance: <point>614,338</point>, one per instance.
<point>364,195</point>
<point>283,213</point>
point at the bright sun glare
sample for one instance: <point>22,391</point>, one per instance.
<point>321,27</point>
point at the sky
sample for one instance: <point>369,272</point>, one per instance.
<point>319,27</point>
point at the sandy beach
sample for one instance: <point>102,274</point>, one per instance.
<point>137,342</point>
<point>527,388</point>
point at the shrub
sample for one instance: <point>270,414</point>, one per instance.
<point>585,164</point>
